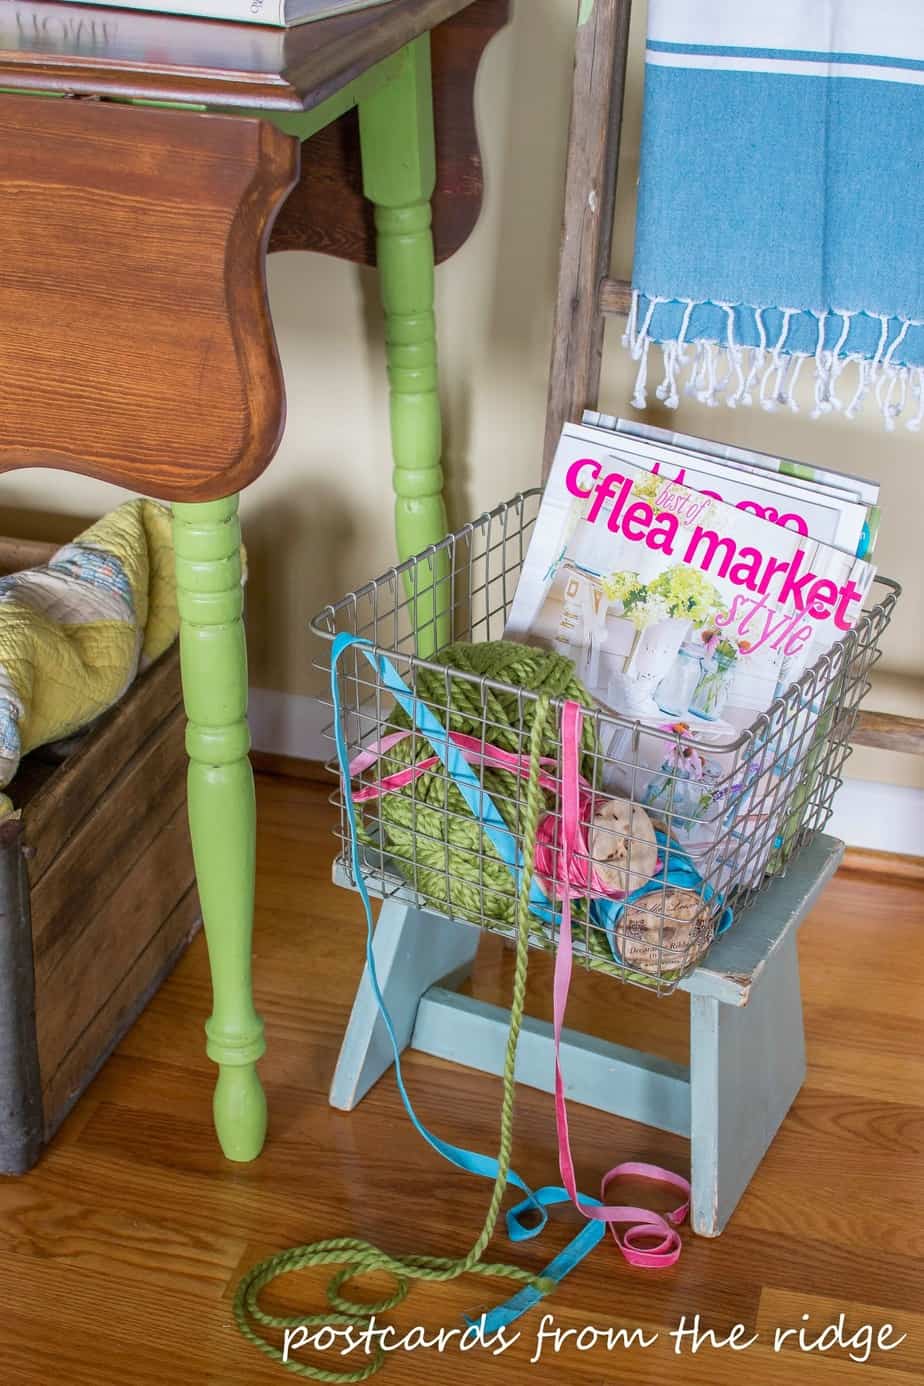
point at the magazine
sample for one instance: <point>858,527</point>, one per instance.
<point>766,491</point>
<point>833,515</point>
<point>867,490</point>
<point>805,474</point>
<point>684,614</point>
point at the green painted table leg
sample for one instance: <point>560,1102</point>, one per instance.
<point>222,816</point>
<point>399,173</point>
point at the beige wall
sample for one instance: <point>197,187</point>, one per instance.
<point>319,521</point>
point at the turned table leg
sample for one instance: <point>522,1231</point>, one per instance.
<point>222,817</point>
<point>399,173</point>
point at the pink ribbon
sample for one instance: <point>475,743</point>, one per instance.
<point>566,872</point>
<point>555,868</point>
<point>475,752</point>
<point>580,874</point>
<point>644,1224</point>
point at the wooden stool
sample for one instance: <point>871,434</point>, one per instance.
<point>747,1050</point>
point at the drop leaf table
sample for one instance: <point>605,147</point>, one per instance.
<point>145,167</point>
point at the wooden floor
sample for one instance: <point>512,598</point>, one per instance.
<point>119,1254</point>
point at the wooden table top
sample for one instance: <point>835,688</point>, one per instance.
<point>137,341</point>
<point>92,50</point>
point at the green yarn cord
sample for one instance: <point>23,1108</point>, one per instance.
<point>427,829</point>
<point>355,1257</point>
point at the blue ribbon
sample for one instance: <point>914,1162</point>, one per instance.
<point>485,810</point>
<point>679,872</point>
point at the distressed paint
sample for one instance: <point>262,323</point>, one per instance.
<point>747,1061</point>
<point>611,1077</point>
<point>746,1066</point>
<point>736,962</point>
<point>412,950</point>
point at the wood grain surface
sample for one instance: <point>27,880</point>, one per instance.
<point>120,1252</point>
<point>890,731</point>
<point>867,861</point>
<point>57,810</point>
<point>137,345</point>
<point>600,52</point>
<point>117,872</point>
<point>615,296</point>
<point>327,211</point>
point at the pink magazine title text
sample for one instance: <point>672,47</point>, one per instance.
<point>799,591</point>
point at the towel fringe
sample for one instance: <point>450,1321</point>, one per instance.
<point>917,390</point>
<point>711,369</point>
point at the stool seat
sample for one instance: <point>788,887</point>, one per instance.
<point>747,1050</point>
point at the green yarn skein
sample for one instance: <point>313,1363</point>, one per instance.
<point>427,828</point>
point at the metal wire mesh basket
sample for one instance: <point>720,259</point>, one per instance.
<point>745,805</point>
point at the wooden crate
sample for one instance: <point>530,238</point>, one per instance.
<point>97,897</point>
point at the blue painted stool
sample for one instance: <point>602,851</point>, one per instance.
<point>747,1048</point>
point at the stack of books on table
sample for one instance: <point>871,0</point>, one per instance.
<point>283,14</point>
<point>143,31</point>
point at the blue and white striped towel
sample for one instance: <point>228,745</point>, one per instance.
<point>781,203</point>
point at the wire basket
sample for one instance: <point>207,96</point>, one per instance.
<point>728,816</point>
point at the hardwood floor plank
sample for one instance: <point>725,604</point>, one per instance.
<point>119,1254</point>
<point>783,1309</point>
<point>144,1249</point>
<point>865,1123</point>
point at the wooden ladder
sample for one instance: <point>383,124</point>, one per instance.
<point>587,295</point>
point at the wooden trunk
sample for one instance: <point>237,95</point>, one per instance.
<point>97,896</point>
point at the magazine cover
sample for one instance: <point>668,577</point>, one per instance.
<point>681,612</point>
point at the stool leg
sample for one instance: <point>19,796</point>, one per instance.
<point>399,173</point>
<point>747,1064</point>
<point>412,950</point>
<point>222,818</point>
